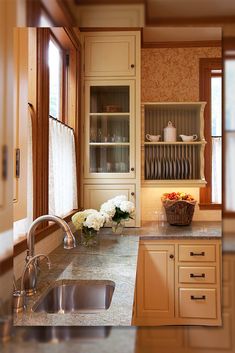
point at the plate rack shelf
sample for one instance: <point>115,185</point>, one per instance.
<point>173,163</point>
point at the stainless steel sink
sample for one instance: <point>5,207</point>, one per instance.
<point>60,333</point>
<point>85,296</point>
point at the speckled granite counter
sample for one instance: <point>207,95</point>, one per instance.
<point>197,230</point>
<point>115,259</point>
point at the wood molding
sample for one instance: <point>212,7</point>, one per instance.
<point>189,22</point>
<point>183,44</point>
<point>59,11</point>
<point>6,265</point>
<point>41,127</point>
<point>205,66</point>
<point>109,2</point>
<point>210,206</point>
<point>109,29</point>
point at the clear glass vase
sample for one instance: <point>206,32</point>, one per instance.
<point>118,227</point>
<point>89,237</point>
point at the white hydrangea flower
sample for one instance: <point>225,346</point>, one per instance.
<point>127,206</point>
<point>118,199</point>
<point>108,210</point>
<point>94,220</point>
<point>79,218</point>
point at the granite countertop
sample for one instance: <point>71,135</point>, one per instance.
<point>197,230</point>
<point>114,259</point>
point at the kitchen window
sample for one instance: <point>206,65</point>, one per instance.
<point>55,62</point>
<point>53,90</point>
<point>211,92</point>
<point>229,129</point>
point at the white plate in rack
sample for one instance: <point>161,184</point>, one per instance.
<point>147,169</point>
<point>155,169</point>
<point>159,169</point>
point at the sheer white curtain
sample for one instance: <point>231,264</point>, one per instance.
<point>216,179</point>
<point>230,172</point>
<point>62,169</point>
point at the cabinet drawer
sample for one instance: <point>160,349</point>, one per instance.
<point>197,303</point>
<point>196,253</point>
<point>197,274</point>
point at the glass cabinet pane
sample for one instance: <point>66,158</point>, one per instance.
<point>109,159</point>
<point>109,128</point>
<point>109,99</point>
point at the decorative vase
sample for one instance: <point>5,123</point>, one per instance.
<point>118,227</point>
<point>89,237</point>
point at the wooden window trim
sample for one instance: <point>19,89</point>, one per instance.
<point>228,44</point>
<point>205,67</point>
<point>39,108</point>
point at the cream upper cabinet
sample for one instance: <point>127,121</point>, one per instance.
<point>111,117</point>
<point>110,55</point>
<point>155,282</point>
<point>110,129</point>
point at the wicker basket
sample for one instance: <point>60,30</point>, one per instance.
<point>179,212</point>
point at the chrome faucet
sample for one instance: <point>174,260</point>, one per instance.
<point>69,240</point>
<point>31,269</point>
<point>19,295</point>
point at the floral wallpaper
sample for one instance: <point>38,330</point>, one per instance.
<point>172,74</point>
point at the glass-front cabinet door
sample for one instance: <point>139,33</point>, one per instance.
<point>109,129</point>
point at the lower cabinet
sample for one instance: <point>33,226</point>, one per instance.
<point>96,194</point>
<point>178,282</point>
<point>196,339</point>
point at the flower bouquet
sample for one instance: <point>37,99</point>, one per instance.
<point>118,210</point>
<point>89,222</point>
<point>179,207</point>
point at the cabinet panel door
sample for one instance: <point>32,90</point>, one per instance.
<point>95,195</point>
<point>155,281</point>
<point>110,55</point>
<point>109,128</point>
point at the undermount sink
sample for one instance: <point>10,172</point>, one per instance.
<point>60,333</point>
<point>86,296</point>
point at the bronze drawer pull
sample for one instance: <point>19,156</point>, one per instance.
<point>197,253</point>
<point>192,275</point>
<point>203,297</point>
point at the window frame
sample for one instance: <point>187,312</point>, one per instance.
<point>228,45</point>
<point>206,65</point>
<point>39,107</point>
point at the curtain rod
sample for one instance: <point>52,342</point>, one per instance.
<point>61,122</point>
<point>58,121</point>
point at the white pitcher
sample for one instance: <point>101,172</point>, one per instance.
<point>170,132</point>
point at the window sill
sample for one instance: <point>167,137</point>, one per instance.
<point>21,246</point>
<point>210,206</point>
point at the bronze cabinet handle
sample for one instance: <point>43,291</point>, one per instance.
<point>132,194</point>
<point>203,297</point>
<point>132,66</point>
<point>192,275</point>
<point>197,253</point>
<point>171,256</point>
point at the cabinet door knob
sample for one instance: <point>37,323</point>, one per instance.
<point>171,256</point>
<point>132,194</point>
<point>132,169</point>
<point>132,66</point>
